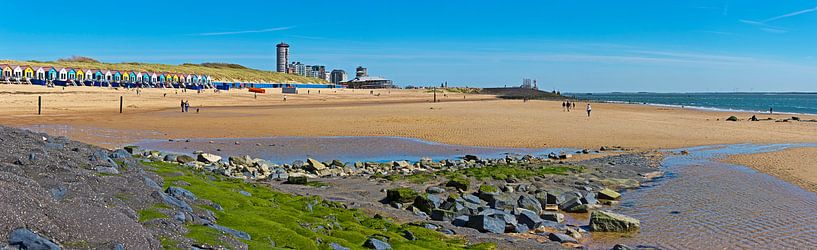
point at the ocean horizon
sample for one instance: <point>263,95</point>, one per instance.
<point>759,102</point>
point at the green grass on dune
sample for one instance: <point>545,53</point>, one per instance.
<point>219,72</point>
<point>290,221</point>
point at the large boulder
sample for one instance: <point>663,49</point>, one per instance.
<point>608,194</point>
<point>240,161</point>
<point>529,218</point>
<point>181,193</point>
<point>401,195</point>
<point>487,223</point>
<point>233,232</point>
<point>573,205</point>
<point>561,238</point>
<point>23,238</point>
<point>184,159</point>
<point>605,221</point>
<point>553,216</point>
<point>458,183</point>
<point>314,166</point>
<point>375,243</point>
<point>530,203</point>
<point>426,203</point>
<point>208,158</point>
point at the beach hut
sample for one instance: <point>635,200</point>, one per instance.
<point>40,73</point>
<point>18,72</point>
<point>145,77</point>
<point>154,78</point>
<point>132,76</point>
<point>161,78</point>
<point>176,78</point>
<point>194,78</point>
<point>72,74</point>
<point>168,77</point>
<point>89,75</point>
<point>2,68</point>
<point>99,75</point>
<point>205,79</point>
<point>126,76</point>
<point>80,75</point>
<point>117,76</point>
<point>108,75</point>
<point>51,73</point>
<point>28,72</point>
<point>7,71</point>
<point>62,74</point>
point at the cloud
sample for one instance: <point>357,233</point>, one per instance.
<point>793,14</point>
<point>245,31</point>
<point>764,27</point>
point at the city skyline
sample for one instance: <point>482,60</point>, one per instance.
<point>595,46</point>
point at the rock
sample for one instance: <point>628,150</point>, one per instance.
<point>732,119</point>
<point>181,193</point>
<point>529,218</point>
<point>336,246</point>
<point>151,183</point>
<point>169,200</point>
<point>245,193</point>
<point>589,199</point>
<point>240,161</point>
<point>132,150</point>
<point>106,170</point>
<point>446,231</point>
<point>409,235</point>
<point>471,158</point>
<point>374,243</point>
<point>184,159</point>
<point>561,238</point>
<point>208,158</point>
<point>460,221</point>
<point>530,203</point>
<point>402,164</point>
<point>171,158</point>
<point>435,190</point>
<point>458,183</point>
<point>605,221</point>
<point>314,166</point>
<point>521,228</point>
<point>553,216</point>
<point>233,232</point>
<point>120,154</point>
<point>622,247</point>
<point>58,193</point>
<point>297,180</point>
<point>427,203</point>
<point>487,223</point>
<point>573,205</point>
<point>401,195</point>
<point>441,215</point>
<point>23,238</point>
<point>609,194</point>
<point>179,216</point>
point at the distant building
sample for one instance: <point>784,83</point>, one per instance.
<point>361,72</point>
<point>317,71</point>
<point>337,76</point>
<point>370,82</point>
<point>282,50</point>
<point>297,68</point>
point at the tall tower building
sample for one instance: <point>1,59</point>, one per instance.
<point>361,72</point>
<point>337,76</point>
<point>283,56</point>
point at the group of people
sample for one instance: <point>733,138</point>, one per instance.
<point>185,106</point>
<point>568,105</point>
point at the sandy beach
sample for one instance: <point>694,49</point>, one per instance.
<point>92,115</point>
<point>797,166</point>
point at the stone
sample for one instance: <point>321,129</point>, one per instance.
<point>503,201</point>
<point>297,180</point>
<point>313,165</point>
<point>374,243</point>
<point>606,221</point>
<point>208,158</point>
<point>590,199</point>
<point>106,170</point>
<point>401,195</point>
<point>181,193</point>
<point>553,216</point>
<point>622,247</point>
<point>427,203</point>
<point>239,161</point>
<point>446,231</point>
<point>169,200</point>
<point>530,203</point>
<point>458,183</point>
<point>561,238</point>
<point>441,215</point>
<point>179,216</point>
<point>529,218</point>
<point>402,164</point>
<point>230,231</point>
<point>120,154</point>
<point>23,238</point>
<point>609,194</point>
<point>132,149</point>
<point>572,205</point>
<point>245,193</point>
<point>171,158</point>
<point>151,183</point>
<point>460,221</point>
<point>184,159</point>
<point>487,223</point>
<point>336,246</point>
<point>471,158</point>
<point>435,190</point>
<point>59,192</point>
<point>521,228</point>
<point>471,198</point>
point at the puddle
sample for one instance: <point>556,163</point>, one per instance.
<point>347,149</point>
<point>705,204</point>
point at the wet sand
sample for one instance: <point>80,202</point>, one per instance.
<point>92,116</point>
<point>797,166</point>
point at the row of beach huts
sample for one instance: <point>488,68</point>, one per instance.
<point>53,76</point>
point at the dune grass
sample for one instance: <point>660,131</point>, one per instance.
<point>288,221</point>
<point>218,72</point>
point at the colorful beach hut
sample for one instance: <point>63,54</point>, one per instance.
<point>99,75</point>
<point>145,77</point>
<point>132,76</point>
<point>161,78</point>
<point>108,76</point>
<point>51,74</point>
<point>80,75</point>
<point>18,72</point>
<point>40,73</point>
<point>28,72</point>
<point>126,76</point>
<point>176,78</point>
<point>62,74</point>
<point>117,76</point>
<point>72,74</point>
<point>89,75</point>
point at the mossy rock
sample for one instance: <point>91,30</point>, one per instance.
<point>485,188</point>
<point>401,195</point>
<point>732,118</point>
<point>184,159</point>
<point>458,183</point>
<point>297,180</point>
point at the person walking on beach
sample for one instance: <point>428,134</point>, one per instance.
<point>574,105</point>
<point>285,98</point>
<point>182,105</point>
<point>589,109</point>
<point>771,110</point>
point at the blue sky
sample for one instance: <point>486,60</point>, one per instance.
<point>574,46</point>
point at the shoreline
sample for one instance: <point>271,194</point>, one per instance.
<point>797,166</point>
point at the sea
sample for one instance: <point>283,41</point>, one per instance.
<point>792,103</point>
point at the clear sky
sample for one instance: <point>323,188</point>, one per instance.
<point>573,46</point>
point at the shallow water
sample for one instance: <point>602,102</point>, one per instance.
<point>347,149</point>
<point>704,204</point>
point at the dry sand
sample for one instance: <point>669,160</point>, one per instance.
<point>797,166</point>
<point>92,114</point>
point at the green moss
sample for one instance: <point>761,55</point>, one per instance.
<point>292,221</point>
<point>482,246</point>
<point>488,189</point>
<point>458,182</point>
<point>402,194</point>
<point>168,244</point>
<point>150,214</point>
<point>508,171</point>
